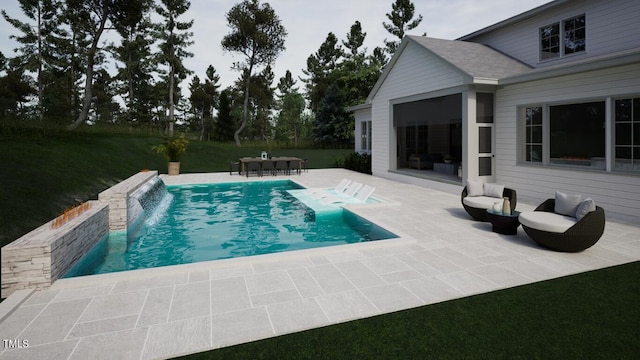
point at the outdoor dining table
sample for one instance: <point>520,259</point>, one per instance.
<point>245,161</point>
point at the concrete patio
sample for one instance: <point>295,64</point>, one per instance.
<point>441,254</point>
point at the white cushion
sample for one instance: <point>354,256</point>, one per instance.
<point>493,190</point>
<point>480,202</point>
<point>586,206</point>
<point>567,204</point>
<point>547,221</point>
<point>474,188</point>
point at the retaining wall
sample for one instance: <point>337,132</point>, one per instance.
<point>45,254</point>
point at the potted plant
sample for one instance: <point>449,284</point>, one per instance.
<point>172,149</point>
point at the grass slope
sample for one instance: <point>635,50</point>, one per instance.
<point>49,172</point>
<point>593,315</point>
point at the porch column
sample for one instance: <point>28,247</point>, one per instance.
<point>469,136</point>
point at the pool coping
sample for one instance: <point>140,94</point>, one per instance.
<point>441,255</point>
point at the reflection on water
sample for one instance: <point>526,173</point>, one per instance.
<point>209,222</point>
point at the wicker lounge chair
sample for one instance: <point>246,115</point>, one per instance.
<point>479,213</point>
<point>578,237</point>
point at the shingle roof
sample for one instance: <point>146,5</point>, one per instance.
<point>476,60</point>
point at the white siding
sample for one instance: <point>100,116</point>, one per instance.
<point>611,26</point>
<point>360,116</point>
<point>416,71</point>
<point>617,193</point>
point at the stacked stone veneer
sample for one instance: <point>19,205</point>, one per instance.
<point>45,254</point>
<point>117,198</point>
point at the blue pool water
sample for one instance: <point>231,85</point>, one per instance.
<point>218,221</point>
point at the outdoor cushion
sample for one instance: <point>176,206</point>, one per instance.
<point>547,221</point>
<point>587,205</point>
<point>493,190</point>
<point>567,204</point>
<point>475,188</point>
<point>481,202</point>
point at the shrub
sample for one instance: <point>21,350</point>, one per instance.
<point>356,162</point>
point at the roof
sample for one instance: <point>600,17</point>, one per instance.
<point>478,63</point>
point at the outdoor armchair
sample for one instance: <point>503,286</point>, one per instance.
<point>477,206</point>
<point>547,229</point>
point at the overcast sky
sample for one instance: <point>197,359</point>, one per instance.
<point>309,21</point>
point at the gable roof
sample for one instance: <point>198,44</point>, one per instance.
<point>478,63</point>
<point>476,60</point>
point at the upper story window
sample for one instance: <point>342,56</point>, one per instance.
<point>563,38</point>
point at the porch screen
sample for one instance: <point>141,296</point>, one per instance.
<point>430,128</point>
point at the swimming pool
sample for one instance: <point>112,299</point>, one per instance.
<point>218,221</point>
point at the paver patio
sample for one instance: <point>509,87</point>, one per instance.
<point>158,313</point>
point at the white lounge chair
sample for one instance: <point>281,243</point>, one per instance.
<point>365,193</point>
<point>349,194</point>
<point>322,193</point>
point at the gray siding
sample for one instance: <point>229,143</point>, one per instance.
<point>604,36</point>
<point>617,193</point>
<point>416,71</point>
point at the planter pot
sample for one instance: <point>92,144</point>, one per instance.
<point>174,168</point>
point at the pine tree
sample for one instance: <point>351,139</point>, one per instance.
<point>333,124</point>
<point>175,39</point>
<point>37,44</point>
<point>402,20</point>
<point>258,34</point>
<point>225,127</point>
<point>320,70</point>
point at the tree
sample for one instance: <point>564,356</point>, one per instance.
<point>258,34</point>
<point>15,89</point>
<point>291,105</point>
<point>263,102</point>
<point>402,20</point>
<point>355,39</point>
<point>204,97</point>
<point>106,109</point>
<point>36,39</point>
<point>135,76</point>
<point>333,124</point>
<point>224,128</point>
<point>90,19</point>
<point>175,38</point>
<point>320,70</point>
<point>357,73</point>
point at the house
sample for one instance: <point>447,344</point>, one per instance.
<point>546,100</point>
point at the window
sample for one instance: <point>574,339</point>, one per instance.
<point>563,38</point>
<point>533,134</point>
<point>574,35</point>
<point>627,135</point>
<point>577,134</point>
<point>550,42</point>
<point>365,137</point>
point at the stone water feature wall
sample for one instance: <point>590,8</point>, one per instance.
<point>117,198</point>
<point>45,254</point>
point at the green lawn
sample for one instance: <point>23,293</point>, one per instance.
<point>50,171</point>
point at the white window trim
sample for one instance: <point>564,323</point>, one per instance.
<point>560,24</point>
